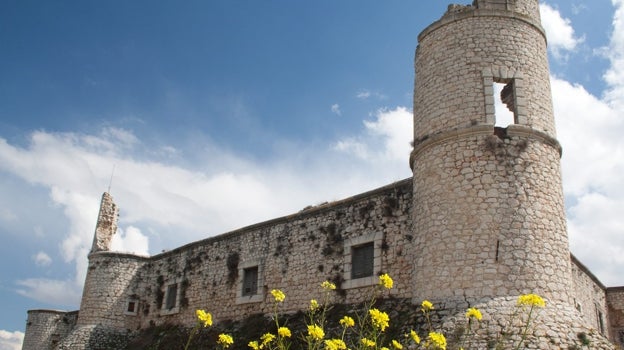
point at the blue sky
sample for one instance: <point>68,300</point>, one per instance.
<point>215,115</point>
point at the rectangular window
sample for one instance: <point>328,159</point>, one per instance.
<point>131,307</point>
<point>362,260</point>
<point>250,281</point>
<point>172,296</point>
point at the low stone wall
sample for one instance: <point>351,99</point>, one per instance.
<point>45,329</point>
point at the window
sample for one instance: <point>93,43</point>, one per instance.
<point>132,307</point>
<point>505,106</point>
<point>601,322</point>
<point>171,300</point>
<point>505,102</point>
<point>171,296</point>
<point>362,260</point>
<point>362,257</point>
<point>621,337</point>
<point>250,281</point>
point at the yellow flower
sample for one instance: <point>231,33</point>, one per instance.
<point>226,340</point>
<point>386,281</point>
<point>204,317</point>
<point>397,345</point>
<point>426,306</point>
<point>347,321</point>
<point>278,295</point>
<point>316,332</point>
<point>474,313</point>
<point>531,300</point>
<point>380,319</point>
<point>368,343</point>
<point>414,337</point>
<point>254,345</point>
<point>328,285</point>
<point>267,338</point>
<point>283,332</point>
<point>313,305</point>
<point>335,344</point>
<point>384,348</point>
<point>436,341</point>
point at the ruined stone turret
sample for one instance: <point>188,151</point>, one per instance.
<point>106,225</point>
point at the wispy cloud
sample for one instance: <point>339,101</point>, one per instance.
<point>561,36</point>
<point>11,340</point>
<point>335,108</point>
<point>365,94</point>
<point>42,259</point>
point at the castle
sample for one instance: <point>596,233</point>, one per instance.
<point>480,222</point>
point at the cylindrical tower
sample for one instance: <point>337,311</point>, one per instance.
<point>489,215</point>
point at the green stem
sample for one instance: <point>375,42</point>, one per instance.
<point>193,332</point>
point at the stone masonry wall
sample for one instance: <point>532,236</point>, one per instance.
<point>47,328</point>
<point>455,53</point>
<point>615,302</point>
<point>589,297</point>
<point>295,253</point>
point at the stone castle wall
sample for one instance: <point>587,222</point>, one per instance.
<point>615,303</point>
<point>294,253</point>
<point>45,329</point>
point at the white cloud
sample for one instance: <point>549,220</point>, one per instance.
<point>130,241</point>
<point>42,259</point>
<point>11,340</point>
<point>615,53</point>
<point>387,138</point>
<point>365,94</point>
<point>590,130</point>
<point>559,31</point>
<point>335,108</point>
<point>50,291</point>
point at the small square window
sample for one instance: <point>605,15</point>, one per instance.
<point>250,281</point>
<point>362,260</point>
<point>132,307</point>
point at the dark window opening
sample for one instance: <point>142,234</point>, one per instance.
<point>621,337</point>
<point>131,306</point>
<point>362,260</point>
<point>250,281</point>
<point>504,103</point>
<point>601,322</point>
<point>172,295</point>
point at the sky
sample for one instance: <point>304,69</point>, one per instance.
<point>201,117</point>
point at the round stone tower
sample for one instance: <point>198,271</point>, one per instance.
<point>489,215</point>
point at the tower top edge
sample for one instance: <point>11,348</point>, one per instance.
<point>457,13</point>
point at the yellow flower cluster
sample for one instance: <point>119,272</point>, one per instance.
<point>380,319</point>
<point>414,336</point>
<point>347,322</point>
<point>436,341</point>
<point>278,295</point>
<point>474,313</point>
<point>426,306</point>
<point>267,338</point>
<point>328,285</point>
<point>531,300</point>
<point>386,281</point>
<point>314,305</point>
<point>315,332</point>
<point>335,344</point>
<point>204,317</point>
<point>368,343</point>
<point>225,340</point>
<point>397,345</point>
<point>283,332</point>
